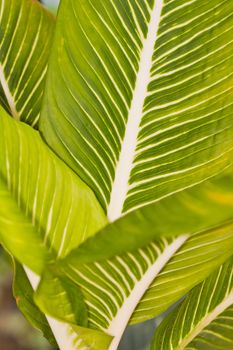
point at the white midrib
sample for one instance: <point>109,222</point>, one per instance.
<point>62,332</point>
<point>125,163</point>
<point>119,323</point>
<point>228,301</point>
<point>8,94</point>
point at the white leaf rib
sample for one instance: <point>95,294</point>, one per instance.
<point>178,190</point>
<point>105,67</point>
<point>193,94</point>
<point>65,229</point>
<point>8,94</point>
<point>193,106</point>
<point>99,314</point>
<point>166,62</point>
<point>70,121</point>
<point>119,322</point>
<point>13,34</point>
<point>227,302</point>
<point>92,284</point>
<point>137,24</point>
<point>36,87</point>
<point>177,8</point>
<point>144,11</point>
<point>121,274</point>
<point>62,331</point>
<point>170,174</point>
<point>78,161</point>
<point>190,25</point>
<point>124,25</point>
<point>113,28</point>
<point>190,39</point>
<point>125,163</point>
<point>114,57</point>
<point>107,281</point>
<point>27,62</point>
<point>203,14</point>
<point>208,116</point>
<point>111,156</point>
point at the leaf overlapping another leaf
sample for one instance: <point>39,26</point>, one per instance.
<point>36,225</point>
<point>158,71</point>
<point>133,137</point>
<point>34,217</point>
<point>123,282</point>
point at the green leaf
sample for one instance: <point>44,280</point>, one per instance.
<point>26,30</point>
<point>63,297</point>
<point>190,265</point>
<point>204,320</point>
<point>113,288</point>
<point>192,210</point>
<point>150,278</point>
<point>90,339</point>
<point>23,294</point>
<point>138,100</point>
<point>44,207</point>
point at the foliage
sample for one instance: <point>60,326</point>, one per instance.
<point>121,202</point>
<point>15,331</point>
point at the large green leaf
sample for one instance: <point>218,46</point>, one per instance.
<point>150,278</point>
<point>37,225</point>
<point>138,102</point>
<point>33,179</point>
<point>204,320</point>
<point>26,31</point>
<point>62,299</point>
<point>34,217</point>
<point>139,95</point>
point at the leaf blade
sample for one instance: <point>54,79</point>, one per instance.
<point>183,131</point>
<point>136,284</point>
<point>27,31</point>
<point>23,294</point>
<point>33,184</point>
<point>191,323</point>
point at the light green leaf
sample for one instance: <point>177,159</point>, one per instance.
<point>150,278</point>
<point>204,320</point>
<point>191,264</point>
<point>113,288</point>
<point>24,294</point>
<point>138,103</point>
<point>139,95</point>
<point>90,339</point>
<point>61,296</point>
<point>45,209</point>
<point>26,30</point>
<point>193,210</point>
